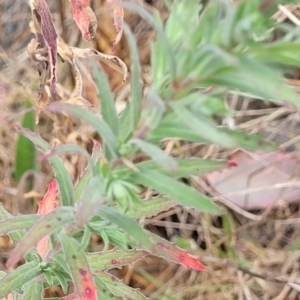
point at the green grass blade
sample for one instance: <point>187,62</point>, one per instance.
<point>25,150</point>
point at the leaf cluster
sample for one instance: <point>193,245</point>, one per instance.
<point>200,55</point>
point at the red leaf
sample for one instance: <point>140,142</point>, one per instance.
<point>84,18</point>
<point>45,206</point>
<point>50,36</point>
<point>171,252</point>
<point>118,14</point>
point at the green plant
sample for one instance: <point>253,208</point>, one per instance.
<point>199,56</point>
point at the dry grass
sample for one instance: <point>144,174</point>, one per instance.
<point>249,255</point>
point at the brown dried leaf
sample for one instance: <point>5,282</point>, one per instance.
<point>118,14</point>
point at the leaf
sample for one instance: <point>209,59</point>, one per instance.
<point>106,98</point>
<point>17,278</point>
<point>150,208</point>
<point>90,118</point>
<point>114,258</point>
<point>185,167</point>
<point>136,88</point>
<point>130,226</point>
<point>118,14</point>
<point>204,128</point>
<point>171,252</point>
<point>25,150</point>
<point>45,206</point>
<point>158,156</point>
<point>117,287</point>
<point>49,37</point>
<point>175,190</point>
<point>174,129</point>
<point>17,235</point>
<point>61,174</point>
<point>16,223</point>
<point>33,291</point>
<point>84,18</point>
<point>46,225</point>
<point>82,276</point>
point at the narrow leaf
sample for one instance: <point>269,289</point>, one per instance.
<point>118,288</point>
<point>14,235</point>
<point>17,278</point>
<point>136,88</point>
<point>46,225</point>
<point>150,208</point>
<point>204,128</point>
<point>158,156</point>
<point>106,98</point>
<point>171,252</point>
<point>25,150</point>
<point>114,258</point>
<point>16,223</point>
<point>82,276</point>
<point>175,190</point>
<point>185,167</point>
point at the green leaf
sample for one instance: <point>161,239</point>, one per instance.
<point>20,276</point>
<point>185,167</point>
<point>61,277</point>
<point>33,291</point>
<point>18,223</point>
<point>172,129</point>
<point>125,125</point>
<point>130,226</point>
<point>44,226</point>
<point>106,99</point>
<point>82,276</point>
<point>61,174</point>
<point>204,128</point>
<point>117,287</point>
<point>114,258</point>
<point>136,87</point>
<point>176,190</point>
<point>25,149</point>
<point>158,156</point>
<point>88,117</point>
<point>150,208</point>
